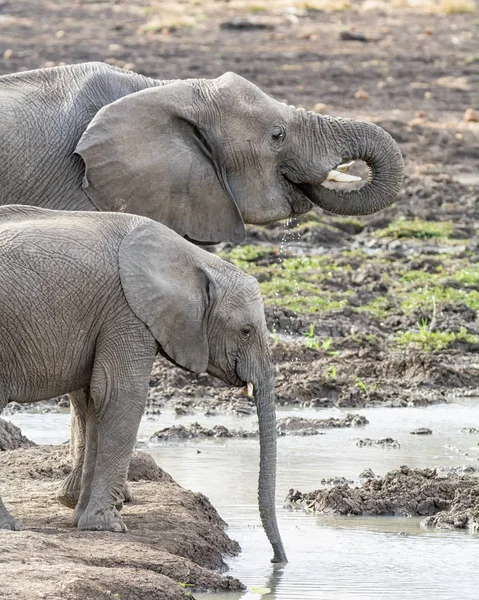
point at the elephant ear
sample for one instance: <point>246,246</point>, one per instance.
<point>166,288</point>
<point>144,154</point>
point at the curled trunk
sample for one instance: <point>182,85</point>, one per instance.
<point>267,473</point>
<point>357,140</point>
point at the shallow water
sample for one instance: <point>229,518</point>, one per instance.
<point>330,557</point>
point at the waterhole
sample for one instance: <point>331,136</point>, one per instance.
<point>330,557</point>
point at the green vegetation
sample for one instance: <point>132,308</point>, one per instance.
<point>413,287</point>
<point>404,228</point>
<point>427,340</point>
<point>331,373</point>
<point>365,389</point>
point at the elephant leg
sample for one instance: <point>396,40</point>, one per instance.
<point>117,402</point>
<point>69,491</point>
<point>104,478</point>
<point>89,458</point>
<point>6,519</point>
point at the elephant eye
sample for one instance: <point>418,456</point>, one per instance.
<point>246,332</point>
<point>278,134</point>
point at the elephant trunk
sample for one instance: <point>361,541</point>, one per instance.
<point>357,140</point>
<point>265,404</point>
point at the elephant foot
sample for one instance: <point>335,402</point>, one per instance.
<point>69,491</point>
<point>106,519</point>
<point>8,522</point>
<point>127,493</point>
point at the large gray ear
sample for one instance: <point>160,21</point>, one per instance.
<point>166,288</point>
<point>144,154</point>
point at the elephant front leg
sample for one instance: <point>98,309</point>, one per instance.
<point>105,478</point>
<point>6,519</point>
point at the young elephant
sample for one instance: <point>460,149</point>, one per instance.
<point>87,300</point>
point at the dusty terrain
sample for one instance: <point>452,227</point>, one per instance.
<point>176,541</point>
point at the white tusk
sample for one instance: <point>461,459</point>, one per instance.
<point>341,177</point>
<point>248,390</point>
<point>344,168</point>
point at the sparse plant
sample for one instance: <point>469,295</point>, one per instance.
<point>331,373</point>
<point>313,341</point>
<point>363,387</point>
<point>274,335</point>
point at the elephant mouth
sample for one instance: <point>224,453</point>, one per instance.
<point>231,377</point>
<point>297,199</point>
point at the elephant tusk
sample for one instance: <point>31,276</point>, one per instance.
<point>344,168</point>
<point>340,176</point>
<point>248,390</point>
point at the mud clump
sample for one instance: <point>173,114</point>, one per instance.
<point>174,536</point>
<point>197,431</point>
<point>421,431</point>
<point>447,500</point>
<point>388,443</point>
<point>11,438</point>
<point>301,426</point>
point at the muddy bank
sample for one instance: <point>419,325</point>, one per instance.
<point>448,500</point>
<point>175,537</point>
<point>11,437</point>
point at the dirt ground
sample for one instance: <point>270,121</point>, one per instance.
<point>362,311</point>
<point>176,541</point>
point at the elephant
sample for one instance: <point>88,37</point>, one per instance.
<point>202,156</point>
<point>86,302</point>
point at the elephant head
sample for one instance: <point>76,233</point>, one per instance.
<point>207,315</point>
<point>206,156</point>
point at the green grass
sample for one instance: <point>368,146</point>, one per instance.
<point>430,341</point>
<point>422,298</point>
<point>417,228</point>
<point>308,285</point>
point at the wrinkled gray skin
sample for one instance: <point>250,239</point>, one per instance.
<point>201,156</point>
<point>87,300</point>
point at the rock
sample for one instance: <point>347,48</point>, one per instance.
<point>11,438</point>
<point>471,116</point>
<point>8,54</point>
<point>421,431</point>
<point>382,443</point>
<point>450,500</point>
<point>469,430</point>
<point>367,474</point>
<point>353,36</point>
<point>115,48</point>
<point>320,107</point>
<point>248,24</point>
<point>336,481</point>
<point>361,95</point>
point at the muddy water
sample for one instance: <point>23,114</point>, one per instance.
<point>330,557</point>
